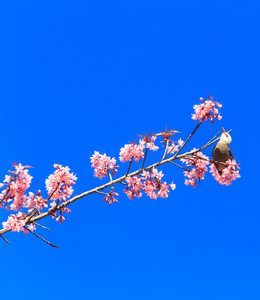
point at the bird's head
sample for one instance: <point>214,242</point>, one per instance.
<point>225,137</point>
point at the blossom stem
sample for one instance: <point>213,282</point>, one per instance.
<point>146,151</point>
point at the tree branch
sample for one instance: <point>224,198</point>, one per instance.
<point>119,180</point>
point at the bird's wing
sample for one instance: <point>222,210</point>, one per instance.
<point>213,150</point>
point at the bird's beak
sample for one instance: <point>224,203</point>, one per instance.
<point>223,130</point>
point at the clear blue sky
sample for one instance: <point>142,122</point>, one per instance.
<point>79,76</point>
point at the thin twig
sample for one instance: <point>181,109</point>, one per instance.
<point>110,176</point>
<point>196,128</point>
<point>214,136</point>
<point>41,226</point>
<point>179,166</point>
<point>53,192</point>
<point>101,193</point>
<point>166,148</point>
<point>122,183</point>
<point>129,167</point>
<point>5,239</point>
<point>40,237</point>
<point>146,151</point>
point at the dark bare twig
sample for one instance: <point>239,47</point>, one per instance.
<point>128,168</point>
<point>196,128</point>
<point>179,166</point>
<point>5,239</point>
<point>41,226</point>
<point>146,151</point>
<point>40,237</point>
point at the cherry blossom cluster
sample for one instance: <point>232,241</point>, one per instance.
<point>36,201</point>
<point>58,184</point>
<point>229,174</point>
<point>102,164</point>
<point>18,181</point>
<point>136,152</point>
<point>199,163</point>
<point>54,214</point>
<point>132,151</point>
<point>17,223</point>
<point>110,197</point>
<point>150,182</point>
<point>174,147</point>
<point>207,110</point>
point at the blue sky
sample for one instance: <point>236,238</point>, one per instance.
<point>79,76</point>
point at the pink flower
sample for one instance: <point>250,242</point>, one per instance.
<point>130,151</point>
<point>102,164</point>
<point>229,174</point>
<point>174,148</point>
<point>111,197</point>
<point>59,184</point>
<point>200,167</point>
<point>207,110</point>
<point>15,222</point>
<point>150,182</point>
<point>150,144</point>
<point>16,187</point>
<point>54,214</point>
<point>36,201</point>
<point>31,227</point>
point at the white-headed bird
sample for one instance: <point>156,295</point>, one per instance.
<point>221,152</point>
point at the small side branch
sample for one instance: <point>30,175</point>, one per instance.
<point>5,239</point>
<point>179,166</point>
<point>146,151</point>
<point>41,226</point>
<point>129,167</point>
<point>196,128</point>
<point>40,237</point>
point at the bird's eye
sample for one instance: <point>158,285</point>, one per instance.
<point>226,135</point>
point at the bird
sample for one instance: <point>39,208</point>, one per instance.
<point>221,152</point>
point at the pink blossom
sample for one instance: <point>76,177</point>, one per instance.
<point>15,222</point>
<point>180,142</point>
<point>130,151</point>
<point>16,187</point>
<point>175,148</point>
<point>198,170</point>
<point>36,201</point>
<point>111,197</point>
<point>54,214</point>
<point>150,144</point>
<point>207,110</point>
<point>229,174</point>
<point>172,148</point>
<point>164,190</point>
<point>150,182</point>
<point>31,227</point>
<point>102,164</point>
<point>134,187</point>
<point>156,174</point>
<point>59,184</point>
